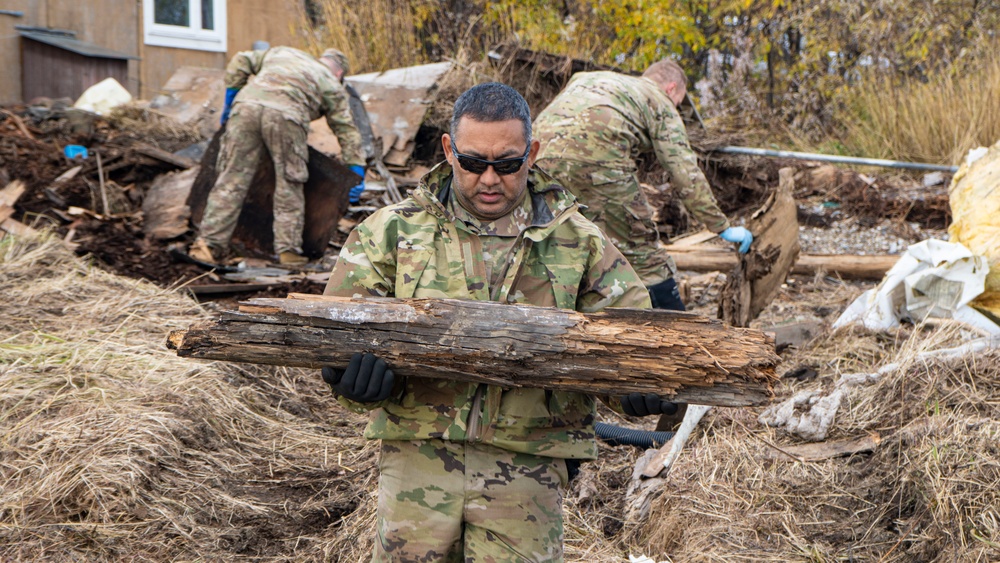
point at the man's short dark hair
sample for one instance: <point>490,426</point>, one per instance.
<point>492,102</point>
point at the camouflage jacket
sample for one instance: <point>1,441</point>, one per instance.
<point>416,249</point>
<point>294,83</point>
<point>643,119</point>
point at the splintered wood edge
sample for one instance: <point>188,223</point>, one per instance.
<point>175,339</point>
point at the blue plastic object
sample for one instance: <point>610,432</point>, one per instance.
<point>73,151</point>
<point>739,235</point>
<point>228,106</point>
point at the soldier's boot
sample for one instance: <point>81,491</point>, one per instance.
<point>289,258</point>
<point>201,251</point>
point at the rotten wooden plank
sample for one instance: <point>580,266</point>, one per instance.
<point>822,451</point>
<point>681,356</point>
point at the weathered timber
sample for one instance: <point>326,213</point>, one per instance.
<point>680,356</point>
<point>847,266</point>
<point>761,271</point>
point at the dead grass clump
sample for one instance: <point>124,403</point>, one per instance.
<point>928,492</point>
<point>113,448</point>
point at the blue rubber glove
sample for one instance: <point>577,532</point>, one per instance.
<point>230,96</point>
<point>355,194</point>
<point>738,235</point>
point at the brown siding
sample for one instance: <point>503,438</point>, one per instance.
<point>10,46</point>
<point>57,73</point>
<point>274,21</point>
<point>113,24</point>
<point>117,24</point>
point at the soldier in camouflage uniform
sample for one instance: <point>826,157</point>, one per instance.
<point>474,472</point>
<point>280,91</point>
<point>591,135</point>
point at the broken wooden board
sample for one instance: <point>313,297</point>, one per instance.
<point>821,451</point>
<point>165,212</point>
<point>761,271</point>
<point>680,356</point>
<point>163,156</point>
<point>668,453</point>
<point>8,197</point>
<point>326,194</point>
<point>397,101</point>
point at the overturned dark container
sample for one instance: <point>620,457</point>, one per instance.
<point>326,194</point>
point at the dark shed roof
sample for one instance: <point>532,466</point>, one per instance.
<point>73,45</point>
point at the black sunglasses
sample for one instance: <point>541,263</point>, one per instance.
<point>502,167</point>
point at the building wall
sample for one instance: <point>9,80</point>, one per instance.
<point>274,21</point>
<point>117,24</point>
<point>10,46</point>
<point>67,74</point>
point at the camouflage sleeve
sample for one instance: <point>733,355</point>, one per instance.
<point>337,109</point>
<point>670,142</point>
<point>368,269</point>
<point>364,266</point>
<point>241,67</point>
<point>609,280</point>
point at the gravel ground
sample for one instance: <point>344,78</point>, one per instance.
<point>848,236</point>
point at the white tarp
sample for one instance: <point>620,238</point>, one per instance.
<point>932,279</point>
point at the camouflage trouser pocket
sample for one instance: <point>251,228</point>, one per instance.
<point>286,140</point>
<point>296,156</point>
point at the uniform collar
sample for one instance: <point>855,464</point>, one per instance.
<point>510,225</point>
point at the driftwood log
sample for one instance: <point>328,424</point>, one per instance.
<point>847,266</point>
<point>681,356</point>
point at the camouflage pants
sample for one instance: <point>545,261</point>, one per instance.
<point>454,501</point>
<point>617,204</point>
<point>254,132</point>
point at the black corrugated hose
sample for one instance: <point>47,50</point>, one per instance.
<point>615,435</point>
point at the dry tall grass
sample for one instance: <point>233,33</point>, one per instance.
<point>113,449</point>
<point>375,35</point>
<point>935,121</point>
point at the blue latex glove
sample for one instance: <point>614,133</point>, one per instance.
<point>738,235</point>
<point>355,194</point>
<point>230,96</point>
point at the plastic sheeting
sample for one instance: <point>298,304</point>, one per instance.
<point>932,279</point>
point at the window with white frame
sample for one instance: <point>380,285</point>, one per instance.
<point>186,24</point>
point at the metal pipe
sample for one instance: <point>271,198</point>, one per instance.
<point>839,159</point>
<point>15,13</point>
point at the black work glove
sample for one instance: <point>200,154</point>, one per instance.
<point>366,380</point>
<point>640,404</point>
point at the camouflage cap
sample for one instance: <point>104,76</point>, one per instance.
<point>341,59</point>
